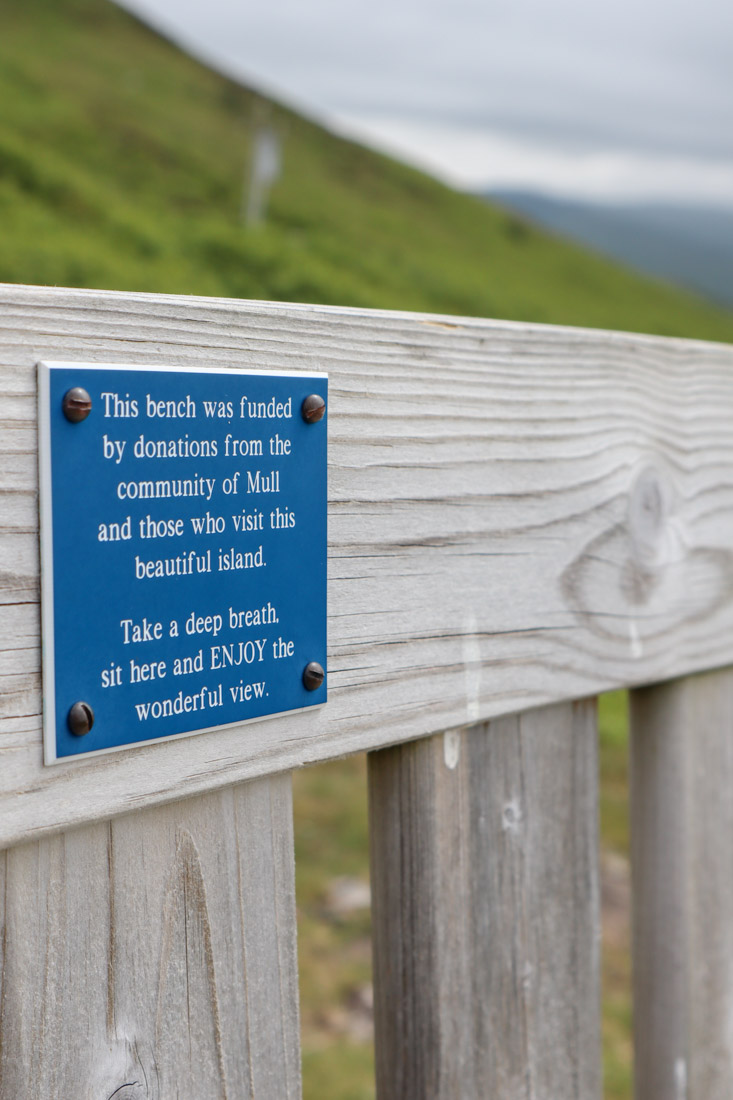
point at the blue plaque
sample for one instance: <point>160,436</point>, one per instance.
<point>183,541</point>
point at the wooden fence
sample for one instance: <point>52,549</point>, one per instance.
<point>520,517</point>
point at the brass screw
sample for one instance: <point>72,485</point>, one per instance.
<point>313,408</point>
<point>77,404</point>
<point>313,676</point>
<point>80,719</point>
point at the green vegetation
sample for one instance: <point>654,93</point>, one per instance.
<point>612,722</point>
<point>615,893</point>
<point>334,945</point>
<point>122,165</point>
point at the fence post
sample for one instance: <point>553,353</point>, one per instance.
<point>486,924</point>
<point>682,862</point>
<point>154,955</point>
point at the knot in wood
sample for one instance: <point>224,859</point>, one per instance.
<point>511,816</point>
<point>648,512</point>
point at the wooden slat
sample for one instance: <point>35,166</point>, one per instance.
<point>485,911</point>
<point>154,956</point>
<point>682,862</point>
<point>517,515</point>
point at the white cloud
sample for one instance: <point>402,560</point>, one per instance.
<point>606,94</point>
<point>478,158</point>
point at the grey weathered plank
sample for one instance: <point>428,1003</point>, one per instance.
<point>485,911</point>
<point>518,514</point>
<point>682,865</point>
<point>154,956</point>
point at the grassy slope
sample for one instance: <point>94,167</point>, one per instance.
<point>121,165</point>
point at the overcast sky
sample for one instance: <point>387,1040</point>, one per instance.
<point>630,99</point>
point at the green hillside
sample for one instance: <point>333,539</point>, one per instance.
<point>122,163</point>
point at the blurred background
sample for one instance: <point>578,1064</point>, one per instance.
<point>565,163</point>
<point>610,124</point>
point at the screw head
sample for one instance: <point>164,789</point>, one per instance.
<point>313,676</point>
<point>313,408</point>
<point>80,718</point>
<point>77,404</point>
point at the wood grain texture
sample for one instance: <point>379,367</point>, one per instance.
<point>485,911</point>
<point>682,863</point>
<point>153,957</point>
<point>517,515</point>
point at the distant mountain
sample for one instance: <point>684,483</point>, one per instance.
<point>688,245</point>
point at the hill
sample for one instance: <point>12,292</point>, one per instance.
<point>687,244</point>
<point>122,163</point>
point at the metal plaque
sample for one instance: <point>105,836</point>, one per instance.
<point>183,541</point>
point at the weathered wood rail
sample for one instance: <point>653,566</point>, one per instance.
<point>520,517</point>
